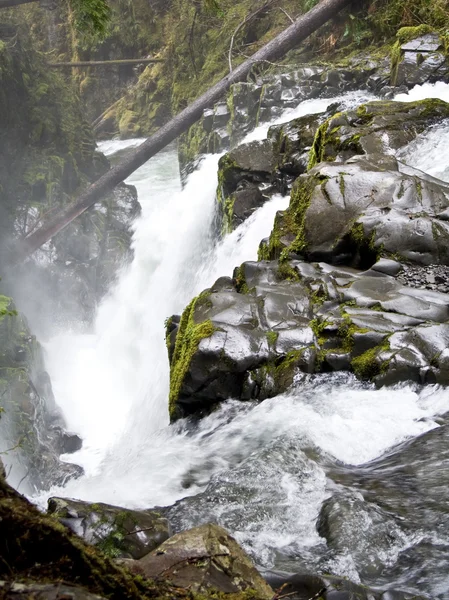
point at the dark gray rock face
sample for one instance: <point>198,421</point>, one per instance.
<point>31,426</point>
<point>286,318</point>
<point>421,59</point>
<point>363,203</point>
<point>119,532</point>
<point>362,209</point>
<point>377,208</point>
<point>246,180</point>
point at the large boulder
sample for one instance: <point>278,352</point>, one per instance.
<point>353,213</point>
<point>119,532</point>
<point>204,559</point>
<point>250,337</point>
<point>418,56</point>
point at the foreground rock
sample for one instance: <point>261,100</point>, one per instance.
<point>119,532</point>
<point>204,559</point>
<point>38,553</point>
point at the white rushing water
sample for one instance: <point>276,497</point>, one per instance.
<point>112,385</point>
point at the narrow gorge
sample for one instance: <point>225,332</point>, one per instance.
<point>228,378</point>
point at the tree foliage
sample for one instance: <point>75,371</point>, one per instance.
<point>91,16</point>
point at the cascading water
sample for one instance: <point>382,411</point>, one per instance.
<point>263,471</point>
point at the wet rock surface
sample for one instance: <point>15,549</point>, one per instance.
<point>378,221</point>
<point>119,532</point>
<point>32,426</point>
<point>306,586</point>
<point>281,319</point>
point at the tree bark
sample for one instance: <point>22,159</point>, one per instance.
<point>9,3</point>
<point>274,50</point>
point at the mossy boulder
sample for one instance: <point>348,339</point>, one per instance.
<point>276,321</point>
<point>355,212</point>
<point>418,56</point>
<point>118,532</point>
<point>38,552</point>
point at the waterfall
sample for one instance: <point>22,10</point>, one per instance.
<point>263,471</point>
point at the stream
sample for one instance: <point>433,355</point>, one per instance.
<point>334,476</point>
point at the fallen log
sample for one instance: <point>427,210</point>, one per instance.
<point>105,63</point>
<point>303,27</point>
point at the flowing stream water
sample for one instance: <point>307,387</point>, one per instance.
<point>375,458</point>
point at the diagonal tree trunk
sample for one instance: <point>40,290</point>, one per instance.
<point>9,3</point>
<point>274,50</point>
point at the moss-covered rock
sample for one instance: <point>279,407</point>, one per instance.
<point>118,532</point>
<point>37,549</point>
<point>189,335</point>
<point>283,319</point>
<point>374,128</point>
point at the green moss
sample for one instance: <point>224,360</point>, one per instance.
<point>228,215</point>
<point>287,272</point>
<point>317,152</point>
<point>168,324</point>
<point>368,365</point>
<point>407,34</point>
<point>188,339</point>
<point>300,199</point>
<point>272,337</point>
<point>6,308</point>
<point>240,280</point>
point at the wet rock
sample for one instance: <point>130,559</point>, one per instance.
<point>418,57</point>
<point>356,212</point>
<point>375,128</point>
<point>30,421</point>
<point>284,318</point>
<point>204,559</point>
<point>353,527</point>
<point>305,586</point>
<point>243,174</point>
<point>117,531</point>
<point>389,267</point>
<point>292,142</point>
